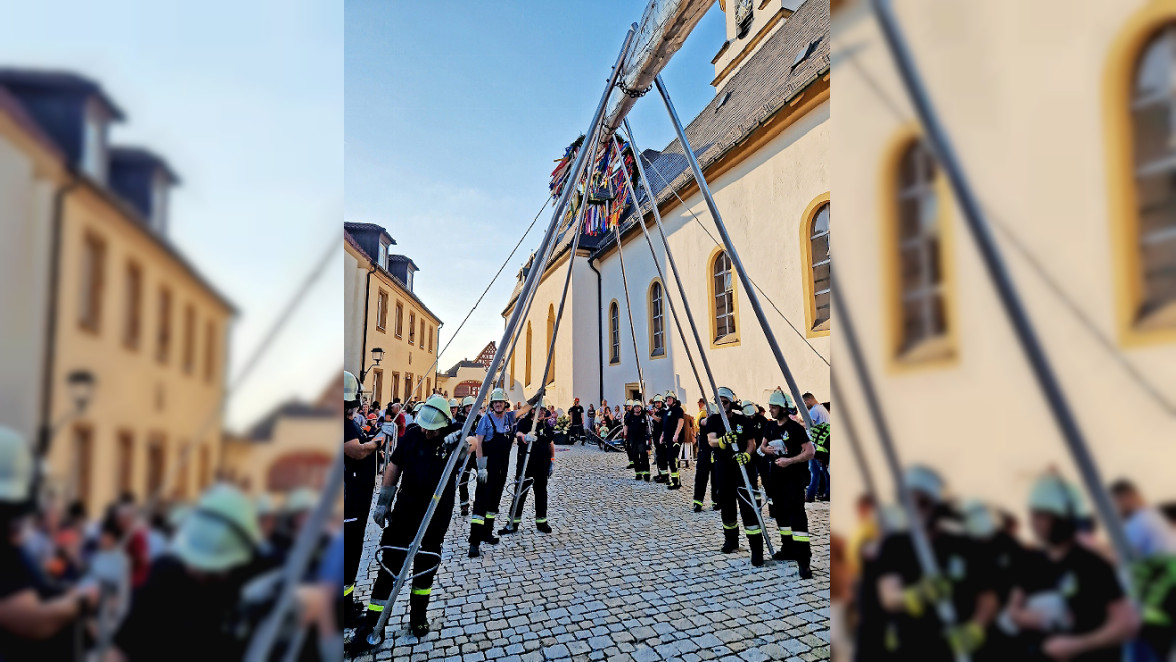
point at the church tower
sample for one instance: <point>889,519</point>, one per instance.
<point>749,23</point>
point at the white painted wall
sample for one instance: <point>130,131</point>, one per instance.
<point>26,209</point>
<point>762,201</point>
<point>1033,141</point>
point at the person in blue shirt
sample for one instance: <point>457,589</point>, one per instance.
<point>492,440</point>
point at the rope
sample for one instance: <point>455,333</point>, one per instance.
<point>505,262</point>
<point>1052,284</point>
<point>716,242</point>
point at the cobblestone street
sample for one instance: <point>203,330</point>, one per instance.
<point>630,573</point>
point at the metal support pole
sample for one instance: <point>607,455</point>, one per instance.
<point>922,545</point>
<point>577,227</point>
<point>978,224</point>
<point>748,286</point>
<point>657,265</point>
<point>710,375</point>
<point>296,565</point>
<point>529,286</point>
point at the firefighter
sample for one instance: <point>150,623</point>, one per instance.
<point>419,464</point>
<point>359,480</point>
<point>492,441</point>
<point>656,413</point>
<point>636,433</point>
<point>189,605</point>
<point>539,440</point>
<point>1070,605</point>
<point>788,449</point>
<point>909,598</point>
<point>705,467</point>
<point>470,467</point>
<point>733,450</point>
<point>669,446</point>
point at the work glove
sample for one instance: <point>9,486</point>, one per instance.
<point>743,458</point>
<point>382,504</point>
<point>965,639</point>
<point>483,472</point>
<point>529,438</point>
<point>452,440</point>
<point>927,590</point>
<point>728,440</point>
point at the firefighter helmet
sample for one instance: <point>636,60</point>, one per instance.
<point>924,480</point>
<point>671,394</point>
<point>16,467</point>
<point>498,395</point>
<point>1054,495</point>
<point>749,408</point>
<point>350,389</point>
<point>468,401</point>
<point>781,399</point>
<point>220,533</point>
<point>727,393</point>
<point>453,403</point>
<point>300,500</point>
<point>658,397</point>
<point>435,414</point>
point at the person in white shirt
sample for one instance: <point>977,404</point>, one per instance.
<point>1149,533</point>
<point>819,484</point>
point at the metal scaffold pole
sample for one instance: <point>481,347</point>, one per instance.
<point>528,290</point>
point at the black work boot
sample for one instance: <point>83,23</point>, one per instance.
<point>418,607</point>
<point>786,552</point>
<point>802,566</point>
<point>359,641</point>
<point>543,526</point>
<point>509,529</point>
<point>730,541</point>
<point>698,506</point>
<point>756,542</point>
<point>660,478</point>
<point>475,550</point>
<point>647,478</point>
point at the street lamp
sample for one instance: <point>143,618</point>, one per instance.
<point>377,355</point>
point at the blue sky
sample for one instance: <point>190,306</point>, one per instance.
<point>454,118</point>
<point>245,99</point>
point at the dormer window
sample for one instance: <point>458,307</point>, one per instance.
<point>409,276</point>
<point>94,157</point>
<point>383,255</point>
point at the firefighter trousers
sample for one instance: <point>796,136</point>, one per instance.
<point>489,494</point>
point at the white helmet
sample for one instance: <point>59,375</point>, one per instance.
<point>1054,495</point>
<point>301,500</point>
<point>220,533</point>
<point>16,467</point>
<point>727,393</point>
<point>468,401</point>
<point>435,413</point>
<point>781,399</point>
<point>922,479</point>
<point>658,397</point>
<point>749,408</point>
<point>978,520</point>
<point>453,403</point>
<point>498,395</point>
<point>670,394</point>
<point>350,388</point>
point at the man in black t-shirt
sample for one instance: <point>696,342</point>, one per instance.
<point>909,598</point>
<point>418,464</point>
<point>656,416</point>
<point>669,445</point>
<point>539,467</point>
<point>636,433</point>
<point>359,481</point>
<point>731,451</point>
<point>1068,602</point>
<point>576,423</point>
<point>787,446</point>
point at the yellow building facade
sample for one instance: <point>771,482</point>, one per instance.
<point>109,295</point>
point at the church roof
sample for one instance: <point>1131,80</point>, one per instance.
<point>789,60</point>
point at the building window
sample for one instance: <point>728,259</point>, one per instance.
<point>83,458</point>
<point>180,489</point>
<point>395,385</point>
<point>1153,107</point>
<point>205,475</point>
<point>614,333</point>
<point>722,299</point>
<point>133,320</point>
<point>382,310</point>
<point>126,462</point>
<point>163,342</point>
<point>657,333</point>
<point>408,386</point>
<point>817,257</point>
<point>923,324</point>
<point>156,463</point>
<point>377,385</point>
<point>429,386</point>
<point>550,335</point>
<point>512,370</point>
<point>412,328</point>
<point>93,270</point>
<point>422,334</point>
<point>94,159</point>
<point>431,346</point>
<point>189,338</point>
<point>527,375</point>
<point>209,351</point>
<point>399,320</point>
